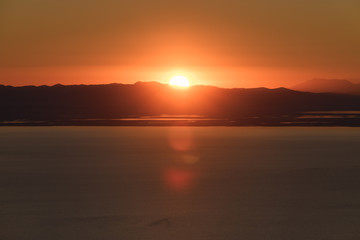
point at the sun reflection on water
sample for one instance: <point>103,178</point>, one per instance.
<point>180,175</point>
<point>181,138</point>
<point>179,179</point>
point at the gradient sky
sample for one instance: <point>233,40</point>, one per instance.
<point>226,43</point>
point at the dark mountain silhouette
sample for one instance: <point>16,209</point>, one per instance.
<point>329,86</point>
<point>68,104</point>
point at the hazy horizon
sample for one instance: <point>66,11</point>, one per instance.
<point>167,83</point>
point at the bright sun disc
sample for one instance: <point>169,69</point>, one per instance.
<point>179,81</point>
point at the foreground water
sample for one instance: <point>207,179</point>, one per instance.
<point>179,183</point>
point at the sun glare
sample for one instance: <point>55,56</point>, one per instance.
<point>179,81</point>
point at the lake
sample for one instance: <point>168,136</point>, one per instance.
<point>250,183</point>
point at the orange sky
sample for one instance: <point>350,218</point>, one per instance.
<point>225,43</point>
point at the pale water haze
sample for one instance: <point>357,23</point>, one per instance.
<point>253,183</point>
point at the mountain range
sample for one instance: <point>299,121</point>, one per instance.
<point>67,104</point>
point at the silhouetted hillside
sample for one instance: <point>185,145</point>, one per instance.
<point>114,101</point>
<point>328,86</point>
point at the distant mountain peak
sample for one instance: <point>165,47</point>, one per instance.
<point>341,86</point>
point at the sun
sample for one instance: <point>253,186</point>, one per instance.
<point>179,81</point>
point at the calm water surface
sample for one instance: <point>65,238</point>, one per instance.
<point>179,183</point>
